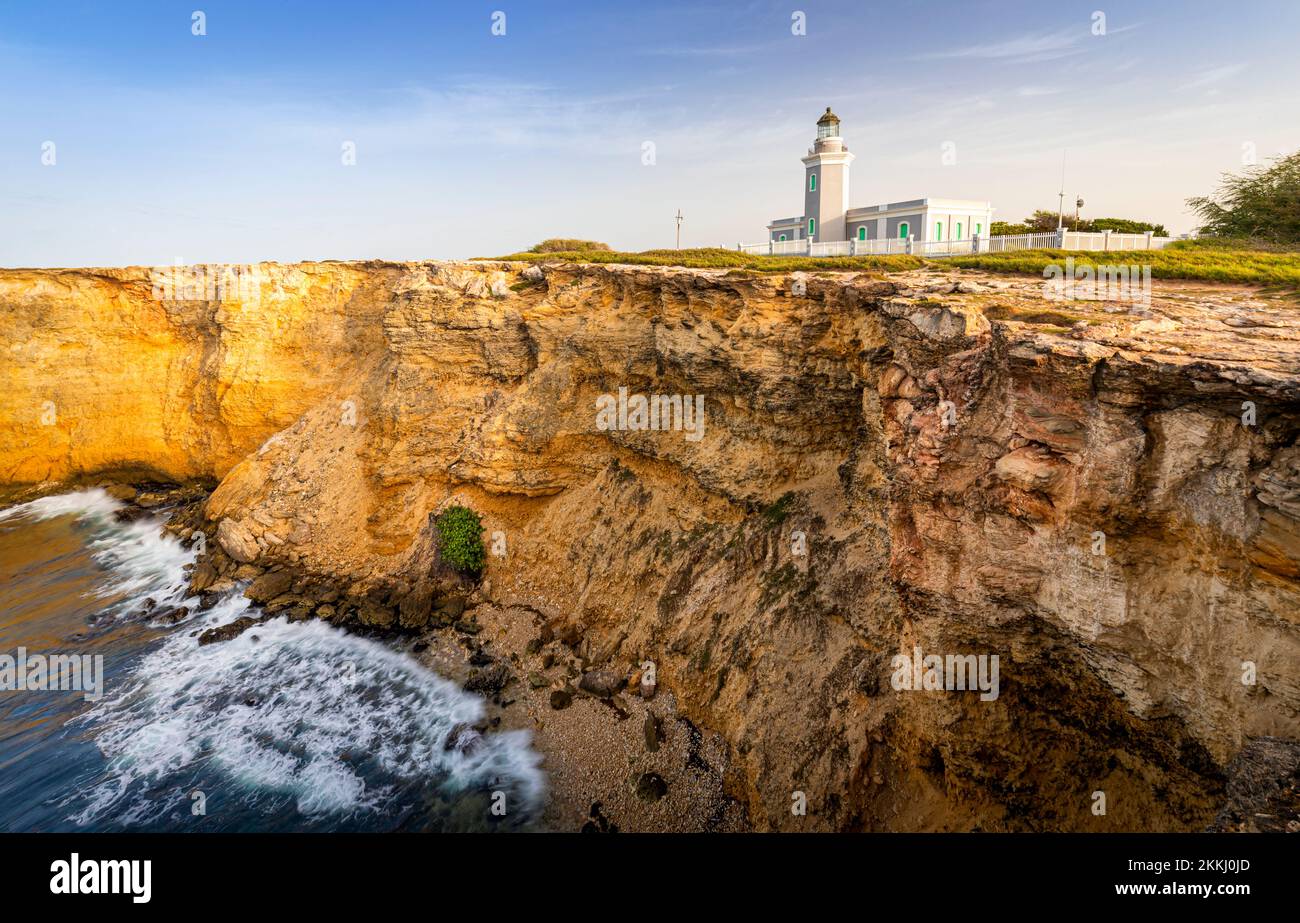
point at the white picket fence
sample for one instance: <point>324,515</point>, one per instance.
<point>1058,240</point>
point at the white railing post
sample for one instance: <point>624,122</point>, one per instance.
<point>909,244</point>
<point>810,243</point>
<point>975,244</point>
<point>770,248</point>
<point>1105,240</point>
<point>1149,233</point>
<point>1060,238</point>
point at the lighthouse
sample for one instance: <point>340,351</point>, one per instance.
<point>826,182</point>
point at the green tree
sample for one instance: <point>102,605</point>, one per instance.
<point>460,539</point>
<point>1001,228</point>
<point>1261,203</point>
<point>1043,220</point>
<point>1123,226</point>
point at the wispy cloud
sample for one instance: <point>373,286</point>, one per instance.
<point>1022,48</point>
<point>1030,47</point>
<point>1208,78</point>
<point>1037,91</point>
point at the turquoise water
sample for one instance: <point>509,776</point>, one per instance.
<point>290,726</point>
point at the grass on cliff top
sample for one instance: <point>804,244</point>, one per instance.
<point>1203,260</point>
<point>721,258</point>
<point>1207,261</point>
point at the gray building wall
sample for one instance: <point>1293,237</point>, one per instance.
<point>869,224</point>
<point>791,232</point>
<point>812,201</point>
<point>826,205</point>
<point>913,223</point>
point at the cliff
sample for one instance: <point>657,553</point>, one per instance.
<point>1106,499</point>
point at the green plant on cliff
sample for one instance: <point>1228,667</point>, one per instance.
<point>721,258</point>
<point>460,539</point>
<point>566,245</point>
<point>1181,259</point>
<point>775,513</point>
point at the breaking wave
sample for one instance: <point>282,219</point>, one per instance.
<point>291,725</point>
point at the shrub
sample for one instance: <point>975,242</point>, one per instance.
<point>1262,202</point>
<point>460,539</point>
<point>567,245</point>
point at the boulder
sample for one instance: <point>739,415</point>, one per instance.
<point>651,731</point>
<point>601,683</point>
<point>124,492</point>
<point>488,680</point>
<point>202,577</point>
<point>450,609</point>
<point>226,632</point>
<point>375,615</point>
<point>269,585</point>
<point>237,541</point>
<point>415,609</point>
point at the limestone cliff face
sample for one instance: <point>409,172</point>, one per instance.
<point>1108,500</point>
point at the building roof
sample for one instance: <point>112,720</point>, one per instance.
<point>828,117</point>
<point>913,205</point>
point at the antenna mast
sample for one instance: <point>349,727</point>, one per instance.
<point>1060,205</point>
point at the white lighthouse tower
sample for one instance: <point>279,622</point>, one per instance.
<point>826,182</point>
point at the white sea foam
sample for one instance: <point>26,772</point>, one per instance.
<point>301,710</point>
<point>142,562</point>
<point>276,709</point>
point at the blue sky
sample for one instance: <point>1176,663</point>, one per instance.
<point>227,147</point>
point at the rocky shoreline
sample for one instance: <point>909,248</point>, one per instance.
<point>617,755</point>
<point>1101,495</point>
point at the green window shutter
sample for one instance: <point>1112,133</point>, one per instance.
<point>978,227</point>
<point>958,237</point>
<point>902,231</point>
<point>862,233</point>
<point>783,237</point>
<point>812,182</point>
<point>938,230</point>
<point>812,226</point>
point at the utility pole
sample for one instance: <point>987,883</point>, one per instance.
<point>679,229</point>
<point>1060,207</point>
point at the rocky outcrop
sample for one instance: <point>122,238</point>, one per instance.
<point>1103,499</point>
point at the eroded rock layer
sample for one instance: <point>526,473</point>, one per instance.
<point>1105,497</point>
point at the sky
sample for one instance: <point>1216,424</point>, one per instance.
<point>127,139</point>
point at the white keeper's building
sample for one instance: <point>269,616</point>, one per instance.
<point>828,217</point>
